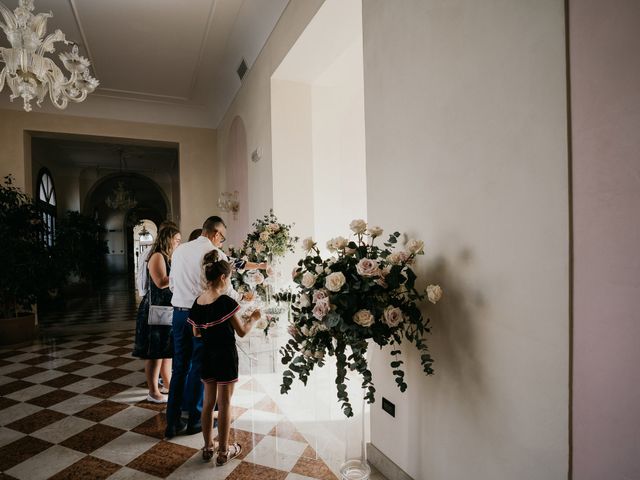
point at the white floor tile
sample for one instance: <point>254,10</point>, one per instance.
<point>85,385</point>
<point>278,453</point>
<point>196,469</point>
<point>75,404</point>
<point>131,474</point>
<point>92,371</point>
<point>45,464</point>
<point>43,376</point>
<point>101,349</point>
<point>131,395</point>
<point>98,358</point>
<point>8,435</point>
<point>256,421</point>
<point>133,379</point>
<point>125,448</point>
<point>129,418</point>
<point>13,367</point>
<point>62,429</point>
<point>16,412</point>
<point>30,392</point>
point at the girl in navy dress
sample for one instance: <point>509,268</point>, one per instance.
<point>214,318</point>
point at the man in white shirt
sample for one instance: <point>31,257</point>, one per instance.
<point>185,282</point>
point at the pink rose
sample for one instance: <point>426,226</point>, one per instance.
<point>367,267</point>
<point>321,308</point>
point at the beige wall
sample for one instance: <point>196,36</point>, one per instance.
<point>465,106</point>
<point>253,103</point>
<point>197,149</point>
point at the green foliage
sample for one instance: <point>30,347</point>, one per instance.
<point>25,261</point>
<point>362,294</point>
<point>78,247</point>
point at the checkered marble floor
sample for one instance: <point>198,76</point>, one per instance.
<point>74,408</point>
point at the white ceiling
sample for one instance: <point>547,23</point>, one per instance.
<point>164,61</point>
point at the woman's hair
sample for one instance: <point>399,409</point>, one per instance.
<point>195,234</point>
<point>214,267</point>
<point>163,242</point>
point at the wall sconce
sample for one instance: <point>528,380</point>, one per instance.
<point>228,202</point>
<point>256,155</point>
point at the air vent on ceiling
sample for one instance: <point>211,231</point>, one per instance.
<point>242,69</point>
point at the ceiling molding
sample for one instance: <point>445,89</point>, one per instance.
<point>76,16</point>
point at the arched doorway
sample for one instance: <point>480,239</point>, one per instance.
<point>119,202</point>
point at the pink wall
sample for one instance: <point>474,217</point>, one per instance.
<point>605,104</point>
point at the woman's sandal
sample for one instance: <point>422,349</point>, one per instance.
<point>224,457</point>
<point>207,453</point>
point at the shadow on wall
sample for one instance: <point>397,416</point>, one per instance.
<point>458,382</point>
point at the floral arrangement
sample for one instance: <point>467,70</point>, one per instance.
<point>363,292</point>
<point>268,241</point>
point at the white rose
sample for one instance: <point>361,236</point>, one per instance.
<point>304,330</point>
<point>331,246</point>
<point>375,231</point>
<point>358,226</point>
<point>393,316</point>
<point>434,293</point>
<point>304,300</point>
<point>397,258</point>
<point>319,269</point>
<point>249,250</point>
<point>334,281</point>
<point>264,236</point>
<point>321,308</point>
<point>273,227</point>
<point>363,318</point>
<point>337,243</point>
<point>308,244</point>
<point>320,294</point>
<point>262,324</point>
<point>349,251</point>
<point>308,279</point>
<point>258,278</point>
<point>367,267</point>
<point>415,246</point>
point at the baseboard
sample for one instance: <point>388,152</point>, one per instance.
<point>384,465</point>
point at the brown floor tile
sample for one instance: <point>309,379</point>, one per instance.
<point>93,338</point>
<point>112,374</point>
<point>38,359</point>
<point>267,405</point>
<point>48,350</point>
<point>286,429</point>
<point>9,353</point>
<point>252,385</point>
<point>100,411</point>
<point>80,355</point>
<point>4,363</point>
<point>116,362</point>
<point>107,390</point>
<point>154,427</point>
<point>162,459</point>
<point>119,351</point>
<point>36,421</point>
<point>92,438</point>
<point>88,467</point>
<point>63,380</point>
<point>248,440</point>
<point>72,367</point>
<point>25,372</point>
<point>52,398</point>
<point>158,407</point>
<point>11,387</point>
<point>250,471</point>
<point>121,343</point>
<point>20,450</point>
<point>313,468</point>
<point>4,476</point>
<point>6,402</point>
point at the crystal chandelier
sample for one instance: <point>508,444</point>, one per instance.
<point>228,202</point>
<point>121,198</point>
<point>28,72</point>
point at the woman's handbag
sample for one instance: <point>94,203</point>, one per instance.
<point>158,314</point>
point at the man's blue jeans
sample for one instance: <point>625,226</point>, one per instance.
<point>186,388</point>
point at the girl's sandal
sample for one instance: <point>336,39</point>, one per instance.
<point>224,457</point>
<point>207,453</point>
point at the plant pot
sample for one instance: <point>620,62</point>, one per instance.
<point>20,329</point>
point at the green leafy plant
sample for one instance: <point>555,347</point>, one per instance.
<point>363,292</point>
<point>79,249</point>
<point>24,259</point>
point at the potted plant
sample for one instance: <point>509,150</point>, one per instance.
<point>24,262</point>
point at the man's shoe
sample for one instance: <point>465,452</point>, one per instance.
<point>179,429</point>
<point>193,429</point>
